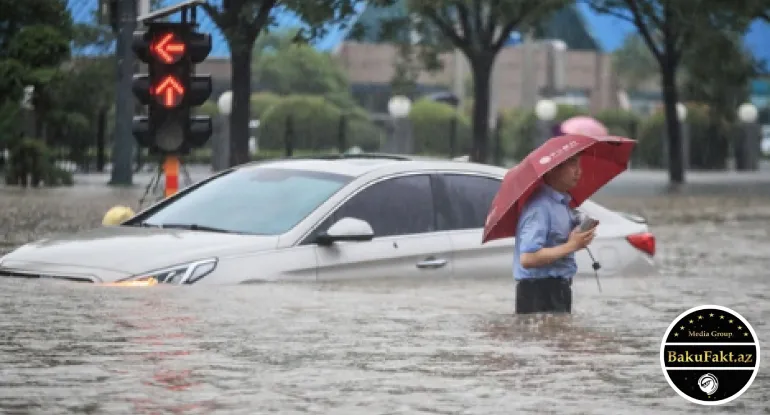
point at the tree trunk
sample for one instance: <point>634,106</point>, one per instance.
<point>40,127</point>
<point>670,99</point>
<point>239,117</point>
<point>101,129</point>
<point>482,72</point>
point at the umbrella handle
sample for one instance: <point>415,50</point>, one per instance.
<point>596,266</point>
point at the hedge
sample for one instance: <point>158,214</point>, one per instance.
<point>709,140</point>
<point>313,123</point>
<point>261,102</point>
<point>32,164</point>
<point>519,130</point>
<point>432,124</point>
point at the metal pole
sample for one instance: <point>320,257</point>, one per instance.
<point>144,7</point>
<point>221,145</point>
<point>171,171</point>
<point>122,150</point>
<point>528,84</point>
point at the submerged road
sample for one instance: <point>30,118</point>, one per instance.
<point>388,347</point>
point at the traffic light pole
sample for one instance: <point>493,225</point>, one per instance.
<point>171,171</point>
<point>123,143</point>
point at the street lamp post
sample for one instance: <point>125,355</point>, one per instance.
<point>220,159</point>
<point>556,49</point>
<point>400,141</point>
<point>545,111</point>
<point>747,142</point>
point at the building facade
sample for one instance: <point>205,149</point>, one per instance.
<point>519,75</point>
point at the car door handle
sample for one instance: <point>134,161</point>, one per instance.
<point>432,263</point>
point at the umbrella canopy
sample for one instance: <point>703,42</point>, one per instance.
<point>602,158</point>
<point>583,125</point>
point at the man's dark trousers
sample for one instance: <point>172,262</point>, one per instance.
<point>544,295</point>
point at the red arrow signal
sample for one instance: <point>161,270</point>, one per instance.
<point>168,49</point>
<point>169,92</point>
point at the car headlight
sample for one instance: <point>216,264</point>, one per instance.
<point>188,273</point>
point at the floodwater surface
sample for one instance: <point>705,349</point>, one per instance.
<point>386,347</point>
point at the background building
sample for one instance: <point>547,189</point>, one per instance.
<point>583,74</point>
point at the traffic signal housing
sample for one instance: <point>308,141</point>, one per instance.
<point>170,89</point>
<point>200,127</point>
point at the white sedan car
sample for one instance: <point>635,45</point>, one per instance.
<point>317,219</point>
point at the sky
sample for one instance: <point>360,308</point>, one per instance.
<point>608,30</point>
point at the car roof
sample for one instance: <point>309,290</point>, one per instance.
<point>357,165</point>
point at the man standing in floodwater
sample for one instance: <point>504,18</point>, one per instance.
<point>546,242</point>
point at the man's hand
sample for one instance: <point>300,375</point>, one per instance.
<point>579,240</point>
<point>544,256</point>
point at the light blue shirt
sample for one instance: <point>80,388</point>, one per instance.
<point>546,221</point>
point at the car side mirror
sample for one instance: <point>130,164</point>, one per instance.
<point>346,229</point>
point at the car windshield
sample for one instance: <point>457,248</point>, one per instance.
<point>261,201</point>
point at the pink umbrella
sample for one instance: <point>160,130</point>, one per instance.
<point>583,125</point>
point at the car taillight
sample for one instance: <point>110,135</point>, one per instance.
<point>644,242</point>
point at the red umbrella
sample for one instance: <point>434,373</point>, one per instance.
<point>602,159</point>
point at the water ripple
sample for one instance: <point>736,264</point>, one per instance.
<point>423,347</point>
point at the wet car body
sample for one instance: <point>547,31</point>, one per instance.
<point>318,219</point>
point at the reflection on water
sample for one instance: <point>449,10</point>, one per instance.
<point>426,347</point>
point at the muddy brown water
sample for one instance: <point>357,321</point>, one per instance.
<point>428,347</point>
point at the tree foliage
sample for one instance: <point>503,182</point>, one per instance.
<point>34,41</point>
<point>669,28</point>
<point>241,21</point>
<point>718,70</point>
<point>284,67</point>
<point>17,15</point>
<point>479,29</point>
<point>34,38</point>
<point>72,118</point>
<point>634,64</point>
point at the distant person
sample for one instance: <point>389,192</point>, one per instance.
<point>546,242</point>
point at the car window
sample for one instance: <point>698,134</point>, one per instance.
<point>397,206</point>
<point>463,200</point>
<point>263,201</point>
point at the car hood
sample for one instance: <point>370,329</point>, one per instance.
<point>130,250</point>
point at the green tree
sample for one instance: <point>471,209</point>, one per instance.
<point>73,121</point>
<point>717,72</point>
<point>758,9</point>
<point>34,40</point>
<point>634,63</point>
<point>479,29</point>
<point>241,21</point>
<point>283,67</point>
<point>668,28</point>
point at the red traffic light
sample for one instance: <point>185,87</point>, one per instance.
<point>169,91</point>
<point>168,48</point>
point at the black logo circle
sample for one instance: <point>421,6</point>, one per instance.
<point>710,355</point>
